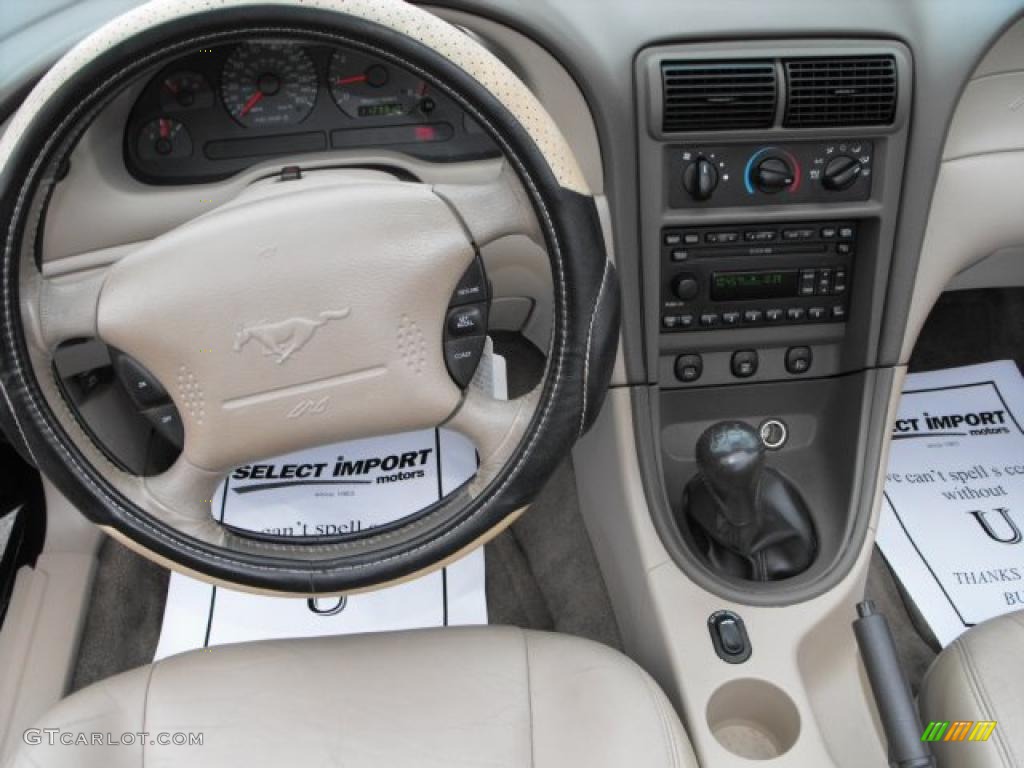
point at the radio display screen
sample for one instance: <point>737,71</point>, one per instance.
<point>766,284</point>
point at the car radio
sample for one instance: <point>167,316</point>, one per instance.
<point>734,276</point>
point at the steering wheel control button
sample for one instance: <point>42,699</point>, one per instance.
<point>689,368</point>
<point>167,423</point>
<point>729,637</point>
<point>466,321</point>
<point>798,359</point>
<point>472,286</point>
<point>142,386</point>
<point>462,356</point>
<point>744,363</point>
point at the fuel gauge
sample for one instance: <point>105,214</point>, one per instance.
<point>164,139</point>
<point>185,90</point>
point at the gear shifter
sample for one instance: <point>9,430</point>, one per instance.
<point>747,520</point>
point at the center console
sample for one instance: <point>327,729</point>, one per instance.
<point>770,175</point>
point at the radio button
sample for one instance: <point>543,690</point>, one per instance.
<point>839,282</point>
<point>673,238</point>
<point>721,237</point>
<point>759,235</point>
<point>846,233</point>
<point>731,318</point>
<point>797,234</point>
<point>828,233</point>
<point>691,238</point>
<point>844,249</point>
<point>744,363</point>
<point>680,254</point>
<point>807,282</point>
<point>773,315</point>
<point>795,314</point>
<point>817,314</point>
<point>798,360</point>
<point>753,316</point>
<point>839,312</point>
<point>709,319</point>
<point>824,282</point>
<point>689,368</point>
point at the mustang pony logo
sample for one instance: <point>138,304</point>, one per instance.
<point>286,337</point>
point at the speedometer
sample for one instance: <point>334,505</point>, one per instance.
<point>269,84</point>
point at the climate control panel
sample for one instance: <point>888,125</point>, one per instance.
<point>732,276</point>
<point>770,174</point>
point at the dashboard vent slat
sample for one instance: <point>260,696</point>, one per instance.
<point>848,91</point>
<point>718,95</point>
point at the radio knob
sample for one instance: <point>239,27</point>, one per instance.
<point>773,174</point>
<point>685,287</point>
<point>841,173</point>
<point>700,178</point>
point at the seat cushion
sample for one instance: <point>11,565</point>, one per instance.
<point>481,696</point>
<point>980,677</point>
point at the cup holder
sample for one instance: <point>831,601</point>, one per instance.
<point>753,719</point>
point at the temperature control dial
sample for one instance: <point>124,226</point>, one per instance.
<point>773,174</point>
<point>700,178</point>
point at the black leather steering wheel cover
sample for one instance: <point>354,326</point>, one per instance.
<point>581,357</point>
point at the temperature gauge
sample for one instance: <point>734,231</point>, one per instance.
<point>185,90</point>
<point>164,139</point>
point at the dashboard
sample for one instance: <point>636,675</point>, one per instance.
<point>218,111</point>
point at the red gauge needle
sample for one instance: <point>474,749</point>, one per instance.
<point>353,79</point>
<point>165,128</point>
<point>252,102</point>
<point>171,87</point>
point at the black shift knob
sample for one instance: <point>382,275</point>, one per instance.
<point>730,456</point>
<point>746,519</point>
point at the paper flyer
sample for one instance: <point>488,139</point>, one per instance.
<point>953,514</point>
<point>335,489</point>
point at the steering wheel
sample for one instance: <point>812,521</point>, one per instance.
<point>350,310</point>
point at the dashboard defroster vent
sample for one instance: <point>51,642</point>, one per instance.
<point>855,90</point>
<point>709,96</point>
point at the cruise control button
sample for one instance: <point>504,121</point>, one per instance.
<point>744,363</point>
<point>143,387</point>
<point>466,321</point>
<point>472,286</point>
<point>167,423</point>
<point>462,356</point>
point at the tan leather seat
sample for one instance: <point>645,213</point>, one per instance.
<point>980,677</point>
<point>487,696</point>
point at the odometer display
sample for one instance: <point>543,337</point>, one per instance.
<point>269,84</point>
<point>381,110</point>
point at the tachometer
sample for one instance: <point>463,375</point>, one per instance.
<point>185,90</point>
<point>363,87</point>
<point>269,84</point>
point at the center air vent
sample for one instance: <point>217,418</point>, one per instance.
<point>708,96</point>
<point>840,91</point>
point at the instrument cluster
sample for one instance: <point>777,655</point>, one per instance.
<point>218,111</point>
